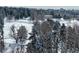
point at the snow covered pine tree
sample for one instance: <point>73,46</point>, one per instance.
<point>1,34</point>
<point>22,37</point>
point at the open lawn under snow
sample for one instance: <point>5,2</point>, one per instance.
<point>70,22</point>
<point>8,40</point>
<point>10,44</point>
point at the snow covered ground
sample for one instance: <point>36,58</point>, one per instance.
<point>70,22</point>
<point>8,40</point>
<point>10,44</point>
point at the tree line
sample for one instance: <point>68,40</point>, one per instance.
<point>20,12</point>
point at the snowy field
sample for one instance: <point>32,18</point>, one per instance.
<point>8,40</point>
<point>10,43</point>
<point>70,22</point>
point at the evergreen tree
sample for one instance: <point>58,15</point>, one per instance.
<point>63,38</point>
<point>56,29</point>
<point>36,45</point>
<point>22,37</point>
<point>1,33</point>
